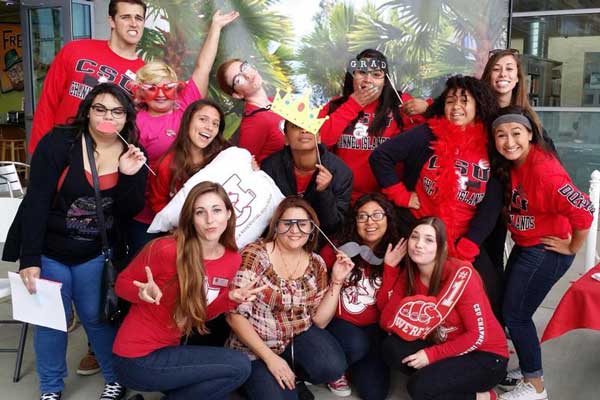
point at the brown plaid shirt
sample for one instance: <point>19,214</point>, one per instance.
<point>285,308</point>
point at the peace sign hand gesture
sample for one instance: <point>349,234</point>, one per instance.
<point>247,293</point>
<point>149,291</point>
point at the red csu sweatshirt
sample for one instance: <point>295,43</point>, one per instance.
<point>544,201</point>
<point>353,147</point>
<point>260,132</point>
<point>77,68</point>
<point>470,325</point>
<point>149,327</point>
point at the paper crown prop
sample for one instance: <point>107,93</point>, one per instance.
<point>298,111</point>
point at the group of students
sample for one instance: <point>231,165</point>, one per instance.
<point>416,196</point>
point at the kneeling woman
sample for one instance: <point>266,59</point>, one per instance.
<point>444,332</point>
<point>176,284</point>
<point>282,331</point>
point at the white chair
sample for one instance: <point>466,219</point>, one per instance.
<point>5,292</point>
<point>10,181</point>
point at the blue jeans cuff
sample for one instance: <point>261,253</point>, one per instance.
<point>535,374</point>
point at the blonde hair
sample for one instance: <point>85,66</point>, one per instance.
<point>154,72</point>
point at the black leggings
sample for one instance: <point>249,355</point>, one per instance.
<point>455,378</point>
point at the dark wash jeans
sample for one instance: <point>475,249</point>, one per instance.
<point>455,378</point>
<point>186,372</point>
<point>531,272</point>
<point>318,358</point>
<point>362,347</point>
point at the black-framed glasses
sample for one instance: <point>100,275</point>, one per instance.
<point>305,226</point>
<point>117,112</point>
<point>239,78</point>
<point>375,216</point>
<point>493,52</point>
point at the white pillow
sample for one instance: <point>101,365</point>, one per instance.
<point>253,193</point>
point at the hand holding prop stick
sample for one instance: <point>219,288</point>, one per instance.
<point>397,94</point>
<point>109,127</point>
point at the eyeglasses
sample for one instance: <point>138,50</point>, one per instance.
<point>240,78</point>
<point>149,91</point>
<point>117,112</point>
<point>305,226</point>
<point>375,73</point>
<point>363,217</point>
<point>514,52</point>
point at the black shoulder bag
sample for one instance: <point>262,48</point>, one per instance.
<point>111,310</point>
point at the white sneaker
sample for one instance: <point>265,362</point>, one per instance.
<point>513,378</point>
<point>524,391</point>
<point>340,387</point>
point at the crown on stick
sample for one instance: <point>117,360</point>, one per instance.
<point>298,111</point>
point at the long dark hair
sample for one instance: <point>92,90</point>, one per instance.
<point>182,167</point>
<point>485,99</point>
<point>349,233</point>
<point>441,255</point>
<point>388,100</point>
<point>501,166</point>
<point>81,120</point>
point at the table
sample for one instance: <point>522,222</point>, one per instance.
<point>579,307</point>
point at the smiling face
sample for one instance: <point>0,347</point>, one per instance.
<point>294,238</point>
<point>513,141</point>
<point>127,26</point>
<point>103,104</point>
<point>460,107</point>
<point>161,104</point>
<point>504,76</point>
<point>371,231</point>
<point>244,79</point>
<point>210,217</point>
<point>422,245</point>
<point>204,127</point>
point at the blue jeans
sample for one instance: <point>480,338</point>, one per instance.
<point>318,358</point>
<point>138,237</point>
<point>531,273</point>
<point>186,372</point>
<point>80,285</point>
<point>361,345</point>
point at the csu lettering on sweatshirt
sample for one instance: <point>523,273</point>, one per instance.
<point>576,198</point>
<point>94,74</point>
<point>366,143</point>
<point>470,177</point>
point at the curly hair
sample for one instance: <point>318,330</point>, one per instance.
<point>388,100</point>
<point>485,99</point>
<point>349,233</point>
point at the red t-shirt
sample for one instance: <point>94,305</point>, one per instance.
<point>302,181</point>
<point>149,327</point>
<point>260,133</point>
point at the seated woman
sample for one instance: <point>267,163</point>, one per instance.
<point>443,332</point>
<point>548,218</point>
<point>366,115</point>
<point>282,331</point>
<point>260,129</point>
<point>176,284</point>
<point>56,231</point>
<point>447,174</point>
<point>370,237</point>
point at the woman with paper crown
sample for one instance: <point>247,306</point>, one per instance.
<point>59,229</point>
<point>176,284</point>
<point>443,331</point>
<point>369,112</point>
<point>447,174</point>
<point>162,100</point>
<point>260,129</point>
<point>283,330</point>
<point>306,168</point>
<point>370,237</point>
<point>548,218</point>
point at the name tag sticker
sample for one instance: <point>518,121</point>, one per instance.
<point>220,282</point>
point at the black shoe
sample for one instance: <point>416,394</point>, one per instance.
<point>303,392</point>
<point>136,397</point>
<point>51,396</point>
<point>113,391</point>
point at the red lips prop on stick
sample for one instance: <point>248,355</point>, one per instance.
<point>110,127</point>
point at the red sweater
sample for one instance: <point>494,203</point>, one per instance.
<point>77,68</point>
<point>337,131</point>
<point>159,193</point>
<point>260,132</point>
<point>544,201</point>
<point>358,303</point>
<point>149,327</point>
<point>470,325</point>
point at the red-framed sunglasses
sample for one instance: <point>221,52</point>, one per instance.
<point>149,91</point>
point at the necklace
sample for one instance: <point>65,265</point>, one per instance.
<point>289,271</point>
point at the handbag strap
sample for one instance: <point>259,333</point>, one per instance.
<point>99,208</point>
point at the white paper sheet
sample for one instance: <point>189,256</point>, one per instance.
<point>44,308</point>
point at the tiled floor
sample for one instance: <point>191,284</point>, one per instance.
<point>571,362</point>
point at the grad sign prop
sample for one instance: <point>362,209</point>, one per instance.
<point>253,194</point>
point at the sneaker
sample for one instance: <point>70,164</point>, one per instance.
<point>113,391</point>
<point>513,378</point>
<point>524,391</point>
<point>88,365</point>
<point>340,387</point>
<point>51,396</point>
<point>303,392</point>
